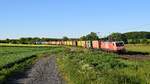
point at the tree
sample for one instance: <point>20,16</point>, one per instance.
<point>7,40</point>
<point>83,38</point>
<point>135,41</point>
<point>45,39</point>
<point>27,40</point>
<point>92,36</point>
<point>65,38</point>
<point>117,37</point>
<point>145,41</point>
<point>23,41</point>
<point>137,35</point>
<point>147,36</point>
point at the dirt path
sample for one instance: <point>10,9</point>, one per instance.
<point>43,72</point>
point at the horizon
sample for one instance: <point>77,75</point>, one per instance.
<point>67,36</point>
<point>57,18</point>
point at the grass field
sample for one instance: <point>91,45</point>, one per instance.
<point>81,66</point>
<point>15,58</point>
<point>78,65</point>
<point>138,48</point>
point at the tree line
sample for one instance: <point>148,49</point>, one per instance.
<point>128,37</point>
<point>131,37</point>
<point>141,37</point>
<point>27,40</point>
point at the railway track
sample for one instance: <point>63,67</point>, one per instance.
<point>135,56</point>
<point>130,55</point>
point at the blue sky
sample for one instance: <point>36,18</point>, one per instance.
<point>72,18</point>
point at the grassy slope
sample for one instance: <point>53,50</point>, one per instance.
<point>80,66</point>
<point>138,47</point>
<point>16,59</point>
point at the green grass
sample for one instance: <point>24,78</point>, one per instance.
<point>13,54</point>
<point>16,68</point>
<point>83,66</point>
<point>78,65</point>
<point>15,58</point>
<point>138,48</point>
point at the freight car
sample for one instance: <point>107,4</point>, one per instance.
<point>41,42</point>
<point>115,46</point>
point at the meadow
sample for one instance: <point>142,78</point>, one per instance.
<point>145,48</point>
<point>15,58</point>
<point>82,66</point>
<point>77,65</point>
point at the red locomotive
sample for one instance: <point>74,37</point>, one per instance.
<point>117,46</point>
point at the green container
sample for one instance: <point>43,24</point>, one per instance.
<point>89,44</point>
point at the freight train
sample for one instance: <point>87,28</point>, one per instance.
<point>113,46</point>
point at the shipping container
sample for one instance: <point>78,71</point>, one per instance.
<point>88,44</point>
<point>83,44</point>
<point>65,42</point>
<point>62,42</point>
<point>74,43</point>
<point>44,42</point>
<point>53,43</point>
<point>70,43</point>
<point>49,42</point>
<point>57,42</point>
<point>96,44</point>
<point>79,43</point>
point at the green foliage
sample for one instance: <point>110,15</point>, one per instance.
<point>138,35</point>
<point>12,54</point>
<point>95,67</point>
<point>83,38</point>
<point>7,72</point>
<point>117,37</point>
<point>138,48</point>
<point>65,38</point>
<point>81,66</point>
<point>14,59</point>
<point>145,41</point>
<point>129,37</point>
<point>147,36</point>
<point>134,41</point>
<point>27,40</point>
<point>91,36</point>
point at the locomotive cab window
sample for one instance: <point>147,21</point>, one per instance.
<point>119,44</point>
<point>113,44</point>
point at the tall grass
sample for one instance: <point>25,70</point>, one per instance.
<point>145,48</point>
<point>96,67</point>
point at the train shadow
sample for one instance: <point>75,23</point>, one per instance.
<point>123,52</point>
<point>133,53</point>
